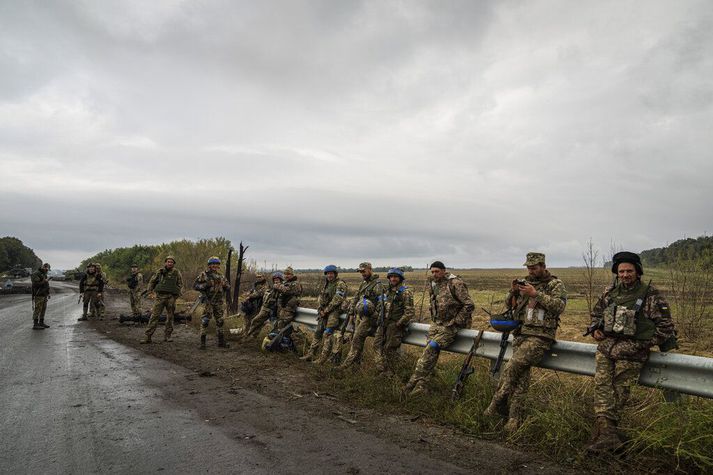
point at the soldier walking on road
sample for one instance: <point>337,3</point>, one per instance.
<point>363,309</point>
<point>40,295</point>
<point>135,282</point>
<point>91,286</point>
<point>212,284</point>
<point>537,302</point>
<point>329,307</point>
<point>629,318</point>
<point>451,309</point>
<point>398,312</point>
<point>167,282</point>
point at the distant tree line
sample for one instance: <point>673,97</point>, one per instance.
<point>698,250</point>
<point>14,254</point>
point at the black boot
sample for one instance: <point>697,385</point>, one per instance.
<point>36,326</point>
<point>43,324</point>
<point>202,347</point>
<point>82,318</point>
<point>221,341</point>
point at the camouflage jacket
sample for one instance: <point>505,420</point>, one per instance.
<point>398,305</point>
<point>211,284</point>
<point>91,282</point>
<point>653,324</point>
<point>40,283</point>
<point>332,295</point>
<point>371,289</point>
<point>257,292</point>
<point>166,281</point>
<point>540,314</point>
<point>451,304</point>
<point>135,282</point>
<point>290,291</point>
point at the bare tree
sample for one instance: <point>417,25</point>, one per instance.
<point>592,271</point>
<point>690,282</point>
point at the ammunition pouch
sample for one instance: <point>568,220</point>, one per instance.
<point>619,320</point>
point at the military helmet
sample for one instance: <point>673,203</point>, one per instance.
<point>170,257</point>
<point>364,307</point>
<point>625,256</point>
<point>278,275</point>
<point>397,272</point>
<point>213,260</point>
<point>502,324</point>
<point>289,270</point>
<point>330,268</point>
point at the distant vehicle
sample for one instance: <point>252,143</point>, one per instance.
<point>18,272</point>
<point>8,284</point>
<point>57,275</point>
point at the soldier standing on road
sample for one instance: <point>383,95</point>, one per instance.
<point>398,312</point>
<point>91,285</point>
<point>212,284</point>
<point>329,307</point>
<point>629,318</point>
<point>538,304</point>
<point>40,295</point>
<point>167,282</point>
<point>451,309</point>
<point>99,304</point>
<point>363,309</point>
<point>268,309</point>
<point>135,282</point>
<point>252,300</point>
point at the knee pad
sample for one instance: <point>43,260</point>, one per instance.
<point>433,345</point>
<point>205,321</point>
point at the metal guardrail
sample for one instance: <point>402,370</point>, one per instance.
<point>673,371</point>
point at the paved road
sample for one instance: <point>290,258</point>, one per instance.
<point>73,401</point>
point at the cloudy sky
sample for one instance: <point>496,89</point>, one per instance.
<point>339,131</point>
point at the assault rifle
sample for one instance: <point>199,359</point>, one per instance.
<point>467,369</point>
<point>274,344</point>
<point>507,316</point>
<point>79,299</point>
<point>200,300</point>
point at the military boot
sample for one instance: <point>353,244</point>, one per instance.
<point>145,340</point>
<point>311,353</point>
<point>43,324</point>
<point>202,347</point>
<point>512,425</point>
<point>221,341</point>
<point>419,390</point>
<point>82,318</point>
<point>604,436</point>
<point>496,408</point>
<point>36,326</point>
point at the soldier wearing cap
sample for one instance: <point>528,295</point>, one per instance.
<point>290,292</point>
<point>451,309</point>
<point>268,309</point>
<point>40,295</point>
<point>537,302</point>
<point>91,286</point>
<point>363,310</point>
<point>252,299</point>
<point>629,318</point>
<point>329,308</point>
<point>167,283</point>
<point>212,285</point>
<point>135,282</point>
<point>398,312</point>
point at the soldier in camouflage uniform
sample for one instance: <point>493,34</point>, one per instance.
<point>135,282</point>
<point>91,286</point>
<point>538,305</point>
<point>99,304</point>
<point>212,284</point>
<point>167,282</point>
<point>398,312</point>
<point>363,309</point>
<point>252,300</point>
<point>289,299</point>
<point>451,309</point>
<point>629,318</point>
<point>40,295</point>
<point>329,308</point>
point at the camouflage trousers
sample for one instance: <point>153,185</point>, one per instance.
<point>283,318</point>
<point>93,303</point>
<point>213,308</point>
<point>386,346</point>
<point>167,302</point>
<point>612,384</point>
<point>135,301</point>
<point>330,329</point>
<point>528,350</point>
<point>40,308</point>
<point>439,337</point>
<point>364,328</point>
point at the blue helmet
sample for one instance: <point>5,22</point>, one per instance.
<point>278,275</point>
<point>330,268</point>
<point>397,272</point>
<point>213,260</point>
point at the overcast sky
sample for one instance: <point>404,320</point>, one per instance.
<point>340,131</point>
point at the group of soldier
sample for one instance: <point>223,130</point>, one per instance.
<point>627,321</point>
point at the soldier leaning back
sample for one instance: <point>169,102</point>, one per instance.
<point>167,282</point>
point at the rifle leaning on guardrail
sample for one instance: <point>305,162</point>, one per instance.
<point>467,369</point>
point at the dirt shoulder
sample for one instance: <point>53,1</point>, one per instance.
<point>286,380</point>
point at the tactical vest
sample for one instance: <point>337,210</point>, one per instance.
<point>133,281</point>
<point>395,304</point>
<point>216,281</point>
<point>327,294</point>
<point>621,318</point>
<point>167,282</point>
<point>537,316</point>
<point>92,282</point>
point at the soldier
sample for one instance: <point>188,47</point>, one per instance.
<point>40,295</point>
<point>398,312</point>
<point>537,302</point>
<point>268,309</point>
<point>329,307</point>
<point>289,298</point>
<point>363,309</point>
<point>99,304</point>
<point>627,321</point>
<point>252,300</point>
<point>451,309</point>
<point>135,282</point>
<point>91,286</point>
<point>167,282</point>
<point>212,284</point>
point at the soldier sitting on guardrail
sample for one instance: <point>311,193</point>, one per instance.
<point>629,318</point>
